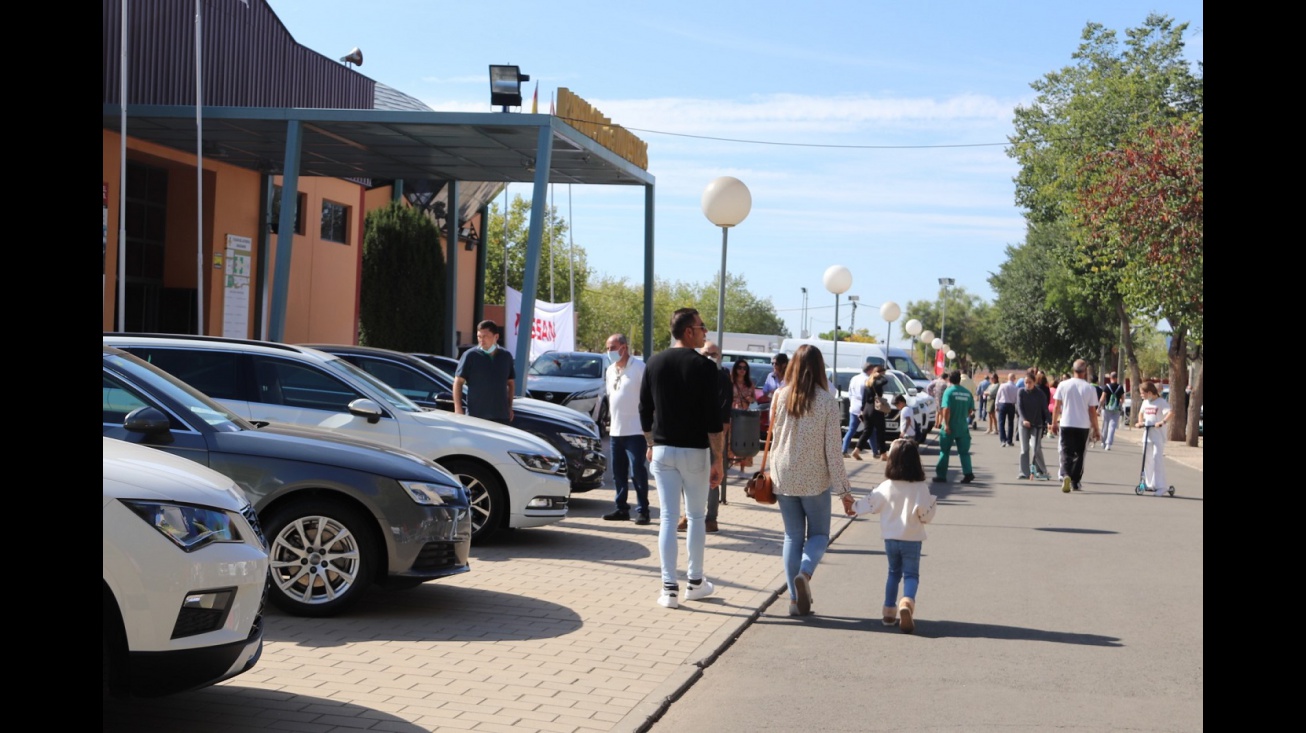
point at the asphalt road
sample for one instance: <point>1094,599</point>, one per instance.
<point>1037,610</point>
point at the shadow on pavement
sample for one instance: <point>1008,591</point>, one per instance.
<point>243,709</point>
<point>943,629</point>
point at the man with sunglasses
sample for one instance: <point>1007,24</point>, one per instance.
<point>679,412</point>
<point>622,382</point>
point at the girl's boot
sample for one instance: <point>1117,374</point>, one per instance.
<point>906,612</point>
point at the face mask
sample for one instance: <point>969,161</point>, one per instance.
<point>491,349</point>
<point>614,356</point>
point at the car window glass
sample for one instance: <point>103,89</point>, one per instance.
<point>282,382</point>
<point>406,381</point>
<point>546,366</point>
<point>160,382</point>
<point>387,393</point>
<point>118,401</point>
<point>213,373</point>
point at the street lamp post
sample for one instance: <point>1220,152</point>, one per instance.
<point>852,319</point>
<point>726,202</point>
<point>889,311</point>
<point>837,279</point>
<point>802,324</point>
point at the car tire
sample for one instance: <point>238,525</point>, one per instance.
<point>339,542</point>
<point>487,498</point>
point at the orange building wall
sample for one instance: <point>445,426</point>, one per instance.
<point>323,298</point>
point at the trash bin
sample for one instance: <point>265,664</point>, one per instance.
<point>745,433</point>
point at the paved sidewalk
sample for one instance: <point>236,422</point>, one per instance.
<point>555,629</point>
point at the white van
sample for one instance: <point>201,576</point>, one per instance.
<point>852,355</point>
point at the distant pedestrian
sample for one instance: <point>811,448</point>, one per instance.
<point>908,426</point>
<point>954,427</point>
<point>856,386</point>
<point>622,382</point>
<point>776,379</point>
<point>1033,416</point>
<point>488,373</point>
<point>905,506</point>
<point>1111,402</point>
<point>1154,412</point>
<point>805,464</point>
<point>743,395</point>
<point>873,433</point>
<point>1007,394</point>
<point>680,414</point>
<point>1075,423</point>
<point>980,391</point>
<point>991,403</point>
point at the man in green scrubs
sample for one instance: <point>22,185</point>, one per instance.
<point>954,427</point>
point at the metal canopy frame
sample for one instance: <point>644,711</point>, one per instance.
<point>401,145</point>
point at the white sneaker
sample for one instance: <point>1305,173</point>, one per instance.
<point>702,590</point>
<point>668,599</point>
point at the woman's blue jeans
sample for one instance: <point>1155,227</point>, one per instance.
<point>807,533</point>
<point>905,566</point>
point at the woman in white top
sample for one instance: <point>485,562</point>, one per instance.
<point>1155,412</point>
<point>806,461</point>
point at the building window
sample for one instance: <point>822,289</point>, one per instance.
<point>335,222</point>
<point>299,210</point>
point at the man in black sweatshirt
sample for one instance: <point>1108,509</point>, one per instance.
<point>679,413</point>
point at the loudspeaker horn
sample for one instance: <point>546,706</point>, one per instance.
<point>355,57</point>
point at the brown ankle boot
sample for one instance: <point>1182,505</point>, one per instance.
<point>890,616</point>
<point>906,614</point>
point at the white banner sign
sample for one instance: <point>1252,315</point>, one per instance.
<point>553,328</point>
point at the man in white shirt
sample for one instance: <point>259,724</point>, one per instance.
<point>855,387</point>
<point>1075,418</point>
<point>1008,394</point>
<point>622,382</point>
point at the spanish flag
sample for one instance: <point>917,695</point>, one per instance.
<point>535,100</point>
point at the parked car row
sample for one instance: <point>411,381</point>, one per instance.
<point>289,474</point>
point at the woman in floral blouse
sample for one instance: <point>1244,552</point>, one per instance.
<point>806,462</point>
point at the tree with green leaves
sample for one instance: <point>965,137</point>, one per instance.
<point>1144,205</point>
<point>402,301</point>
<point>556,251</point>
<point>1099,104</point>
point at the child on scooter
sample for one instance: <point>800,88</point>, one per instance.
<point>1154,414</point>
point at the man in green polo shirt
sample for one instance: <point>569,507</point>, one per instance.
<point>954,427</point>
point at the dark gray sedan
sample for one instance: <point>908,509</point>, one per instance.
<point>339,513</point>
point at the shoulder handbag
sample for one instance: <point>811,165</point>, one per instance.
<point>881,404</point>
<point>759,487</point>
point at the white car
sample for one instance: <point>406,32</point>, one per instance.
<point>515,479</point>
<point>921,403</point>
<point>185,567</point>
<point>573,379</point>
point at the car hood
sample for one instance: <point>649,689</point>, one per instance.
<point>326,447</point>
<point>136,472</point>
<point>563,416</point>
<point>563,384</point>
<point>487,434</point>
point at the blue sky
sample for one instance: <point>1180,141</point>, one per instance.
<point>876,130</point>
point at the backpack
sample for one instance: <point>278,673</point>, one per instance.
<point>1113,398</point>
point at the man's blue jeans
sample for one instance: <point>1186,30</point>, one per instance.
<point>628,460</point>
<point>905,566</point>
<point>854,419</point>
<point>807,533</point>
<point>675,470</point>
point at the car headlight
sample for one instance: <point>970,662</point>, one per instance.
<point>432,494</point>
<point>582,442</point>
<point>189,527</point>
<point>588,394</point>
<point>540,463</point>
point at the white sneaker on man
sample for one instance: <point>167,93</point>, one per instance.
<point>702,590</point>
<point>668,599</point>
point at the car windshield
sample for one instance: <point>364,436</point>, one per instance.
<point>907,366</point>
<point>893,384</point>
<point>581,366</point>
<point>192,399</point>
<point>396,400</point>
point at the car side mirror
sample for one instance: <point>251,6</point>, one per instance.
<point>911,391</point>
<point>365,408</point>
<point>150,422</point>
